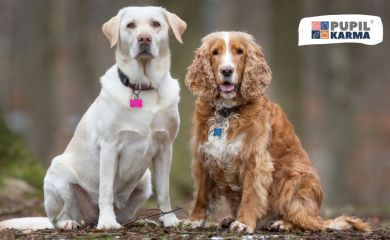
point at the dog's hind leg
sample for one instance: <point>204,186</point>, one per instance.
<point>60,204</point>
<point>297,197</point>
<point>58,209</point>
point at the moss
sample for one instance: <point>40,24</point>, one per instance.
<point>16,161</point>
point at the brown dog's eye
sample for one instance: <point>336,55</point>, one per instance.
<point>215,52</point>
<point>130,25</point>
<point>156,24</point>
<point>240,51</point>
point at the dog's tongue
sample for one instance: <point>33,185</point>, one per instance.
<point>226,87</point>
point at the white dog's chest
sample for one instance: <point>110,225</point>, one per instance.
<point>217,146</point>
<point>136,150</point>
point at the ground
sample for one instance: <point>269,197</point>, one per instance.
<point>153,232</point>
<point>13,205</point>
<point>18,199</point>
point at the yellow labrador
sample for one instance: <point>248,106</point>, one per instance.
<point>103,174</point>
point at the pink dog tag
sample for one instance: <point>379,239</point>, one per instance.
<point>136,103</point>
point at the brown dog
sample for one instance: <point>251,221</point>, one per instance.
<point>244,148</point>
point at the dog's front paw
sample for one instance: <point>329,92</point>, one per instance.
<point>169,220</point>
<point>108,223</point>
<point>192,223</point>
<point>238,226</point>
<point>67,224</point>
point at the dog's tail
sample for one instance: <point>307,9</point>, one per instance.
<point>33,223</point>
<point>346,222</point>
<point>340,223</point>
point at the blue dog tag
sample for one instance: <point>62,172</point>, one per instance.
<point>217,132</point>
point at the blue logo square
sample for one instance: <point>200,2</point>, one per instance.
<point>315,34</point>
<point>324,25</point>
<point>217,132</point>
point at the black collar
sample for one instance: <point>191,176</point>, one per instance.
<point>226,112</point>
<point>135,87</point>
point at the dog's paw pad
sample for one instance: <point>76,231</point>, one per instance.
<point>238,226</point>
<point>67,224</point>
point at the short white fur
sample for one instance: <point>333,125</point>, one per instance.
<point>112,147</point>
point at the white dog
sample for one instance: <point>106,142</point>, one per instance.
<point>103,174</point>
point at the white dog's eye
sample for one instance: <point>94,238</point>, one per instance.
<point>130,25</point>
<point>156,24</point>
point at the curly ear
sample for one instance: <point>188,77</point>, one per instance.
<point>257,74</point>
<point>200,77</point>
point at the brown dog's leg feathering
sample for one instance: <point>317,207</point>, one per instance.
<point>254,201</point>
<point>204,187</point>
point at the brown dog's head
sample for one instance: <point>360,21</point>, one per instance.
<point>228,65</point>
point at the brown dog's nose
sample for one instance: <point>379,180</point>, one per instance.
<point>227,71</point>
<point>144,38</point>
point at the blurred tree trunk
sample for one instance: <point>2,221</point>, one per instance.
<point>37,64</point>
<point>319,113</point>
<point>286,62</point>
<point>6,29</point>
<point>366,160</point>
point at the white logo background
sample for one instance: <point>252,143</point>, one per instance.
<point>374,23</point>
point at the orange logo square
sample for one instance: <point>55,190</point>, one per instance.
<point>324,35</point>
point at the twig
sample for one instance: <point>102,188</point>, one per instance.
<point>145,216</point>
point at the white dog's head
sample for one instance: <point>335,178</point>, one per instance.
<point>142,32</point>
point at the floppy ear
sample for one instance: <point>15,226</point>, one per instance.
<point>257,74</point>
<point>176,24</point>
<point>200,77</point>
<point>111,29</point>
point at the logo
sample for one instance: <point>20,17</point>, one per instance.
<point>319,30</point>
<point>330,29</point>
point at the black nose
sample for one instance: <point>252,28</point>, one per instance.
<point>227,71</point>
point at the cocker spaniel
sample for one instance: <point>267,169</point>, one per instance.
<point>245,149</point>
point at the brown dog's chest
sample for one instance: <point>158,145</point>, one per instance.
<point>225,156</point>
<point>226,175</point>
<point>222,155</point>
